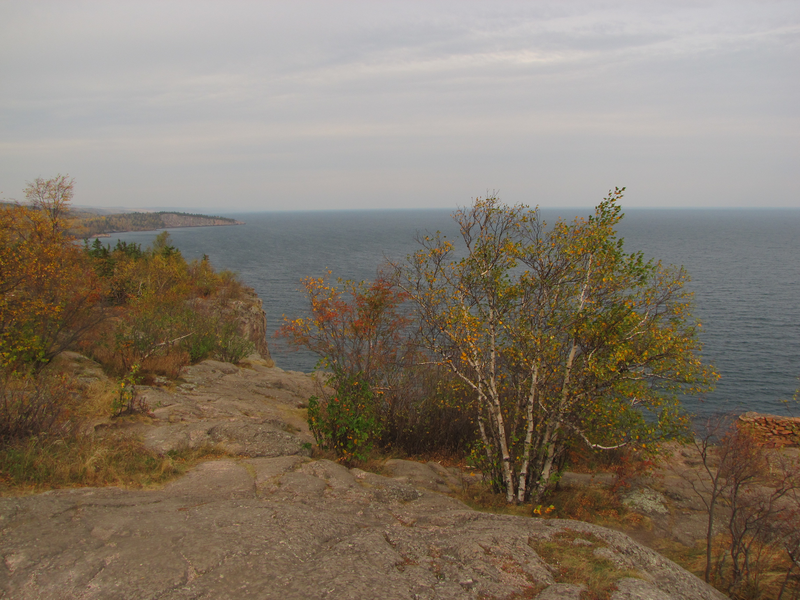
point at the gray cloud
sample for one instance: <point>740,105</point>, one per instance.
<point>259,106</point>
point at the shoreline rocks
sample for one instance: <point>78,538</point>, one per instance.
<point>774,429</point>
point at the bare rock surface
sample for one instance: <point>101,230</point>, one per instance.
<point>274,523</point>
<point>292,527</point>
<point>252,410</point>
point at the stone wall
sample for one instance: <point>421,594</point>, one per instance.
<point>783,431</point>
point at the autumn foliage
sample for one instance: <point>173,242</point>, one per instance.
<point>365,336</point>
<point>353,327</point>
<point>135,311</point>
<point>545,337</point>
<point>47,288</point>
<point>162,313</point>
<point>562,336</point>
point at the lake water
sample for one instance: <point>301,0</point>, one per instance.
<point>745,268</point>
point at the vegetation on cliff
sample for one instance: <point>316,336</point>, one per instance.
<point>141,313</point>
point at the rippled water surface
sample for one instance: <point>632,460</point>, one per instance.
<point>745,268</point>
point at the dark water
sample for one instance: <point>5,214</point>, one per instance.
<point>745,268</point>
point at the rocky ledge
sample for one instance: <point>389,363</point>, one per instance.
<point>774,429</point>
<point>274,523</point>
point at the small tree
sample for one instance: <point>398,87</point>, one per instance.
<point>561,335</point>
<point>52,197</point>
<point>365,333</point>
<point>752,496</point>
<point>355,327</point>
<point>710,485</point>
<point>47,288</point>
<point>358,331</point>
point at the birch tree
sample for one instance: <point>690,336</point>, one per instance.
<point>562,336</point>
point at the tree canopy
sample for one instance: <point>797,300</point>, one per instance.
<point>562,336</point>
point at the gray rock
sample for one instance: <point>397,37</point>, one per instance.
<point>287,528</point>
<point>431,476</point>
<point>646,500</point>
<point>275,524</point>
<point>562,591</point>
<point>250,410</point>
<point>256,439</point>
<point>637,589</point>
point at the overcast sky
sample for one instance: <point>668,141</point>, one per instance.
<point>242,106</point>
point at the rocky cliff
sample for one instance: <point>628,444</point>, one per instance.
<point>246,310</point>
<point>271,522</point>
<point>252,320</point>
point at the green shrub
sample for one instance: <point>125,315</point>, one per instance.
<point>345,422</point>
<point>231,346</point>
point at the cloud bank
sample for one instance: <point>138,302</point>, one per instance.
<point>243,106</point>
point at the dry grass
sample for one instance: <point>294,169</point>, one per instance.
<point>693,558</point>
<point>572,555</point>
<point>97,401</point>
<point>41,463</point>
<point>598,505</point>
<point>774,565</point>
<point>479,496</point>
<point>68,453</point>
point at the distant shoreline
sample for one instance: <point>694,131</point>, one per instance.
<point>90,225</point>
<point>110,233</point>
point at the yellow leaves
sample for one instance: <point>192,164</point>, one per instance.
<point>41,273</point>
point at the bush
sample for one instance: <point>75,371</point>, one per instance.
<point>563,335</point>
<point>555,335</point>
<point>345,420</point>
<point>364,330</point>
<point>424,412</point>
<point>230,346</point>
<point>165,313</point>
<point>33,404</point>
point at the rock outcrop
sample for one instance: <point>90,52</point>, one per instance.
<point>251,410</point>
<point>246,310</point>
<point>275,523</point>
<point>251,320</point>
<point>775,429</point>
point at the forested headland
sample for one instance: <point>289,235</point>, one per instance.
<point>87,224</point>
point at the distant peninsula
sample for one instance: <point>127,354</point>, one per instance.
<point>86,224</point>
